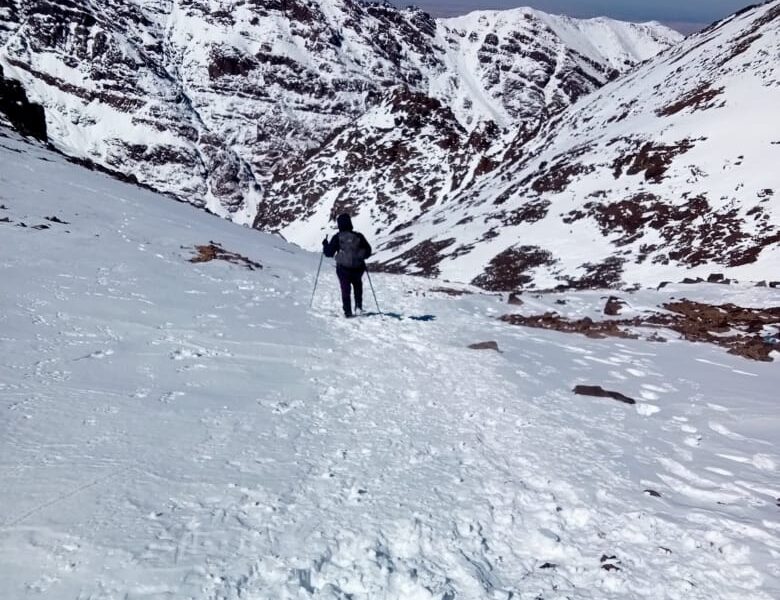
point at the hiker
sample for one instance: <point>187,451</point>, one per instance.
<point>351,250</point>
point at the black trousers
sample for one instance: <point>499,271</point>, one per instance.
<point>350,279</point>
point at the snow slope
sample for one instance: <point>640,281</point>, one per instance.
<point>193,430</point>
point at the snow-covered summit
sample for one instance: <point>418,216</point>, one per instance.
<point>514,65</point>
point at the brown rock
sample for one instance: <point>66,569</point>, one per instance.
<point>213,251</point>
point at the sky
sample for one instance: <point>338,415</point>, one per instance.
<point>685,15</point>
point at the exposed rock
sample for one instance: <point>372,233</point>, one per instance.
<point>699,98</point>
<point>214,251</point>
<point>608,563</point>
<point>733,327</point>
<point>585,326</point>
<point>651,159</point>
<point>613,306</point>
<point>26,117</point>
<point>599,392</point>
<point>515,299</point>
<point>603,275</point>
<point>718,278</point>
<point>450,291</point>
<point>739,330</point>
<point>422,259</point>
<point>485,346</point>
<point>509,269</point>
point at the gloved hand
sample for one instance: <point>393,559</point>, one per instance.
<point>325,241</point>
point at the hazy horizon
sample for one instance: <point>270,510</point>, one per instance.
<point>686,17</point>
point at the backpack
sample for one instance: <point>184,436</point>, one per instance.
<point>350,253</point>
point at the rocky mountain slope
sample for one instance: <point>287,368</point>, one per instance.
<point>205,101</point>
<point>669,171</point>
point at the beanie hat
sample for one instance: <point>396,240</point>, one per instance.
<point>344,222</point>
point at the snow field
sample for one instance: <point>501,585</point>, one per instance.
<point>179,430</point>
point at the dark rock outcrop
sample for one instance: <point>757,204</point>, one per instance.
<point>598,392</point>
<point>26,117</point>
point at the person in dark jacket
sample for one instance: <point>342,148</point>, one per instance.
<point>351,250</point>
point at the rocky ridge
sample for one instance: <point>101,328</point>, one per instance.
<point>207,103</point>
<point>668,170</point>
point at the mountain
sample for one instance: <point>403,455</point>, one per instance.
<point>206,101</point>
<point>664,173</point>
<point>177,422</point>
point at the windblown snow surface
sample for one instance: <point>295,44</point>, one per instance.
<point>182,430</point>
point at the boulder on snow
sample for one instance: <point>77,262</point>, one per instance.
<point>514,298</point>
<point>718,278</point>
<point>26,117</point>
<point>485,346</point>
<point>598,392</point>
<point>213,251</point>
<point>613,306</point>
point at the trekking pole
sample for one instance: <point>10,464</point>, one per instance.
<point>379,310</point>
<point>316,279</point>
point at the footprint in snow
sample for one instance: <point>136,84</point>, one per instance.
<point>724,431</point>
<point>169,397</point>
<point>184,353</point>
<point>647,410</point>
<point>99,354</point>
<point>636,372</point>
<point>649,395</point>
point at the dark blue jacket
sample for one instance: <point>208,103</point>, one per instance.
<point>331,248</point>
